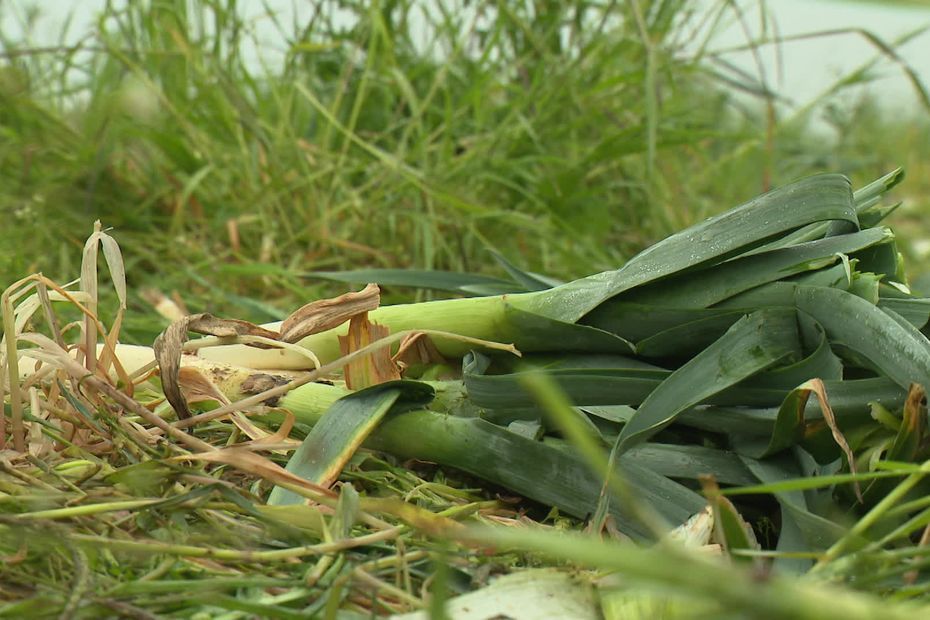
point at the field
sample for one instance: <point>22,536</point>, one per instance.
<point>767,363</point>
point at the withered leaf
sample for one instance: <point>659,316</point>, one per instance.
<point>910,439</point>
<point>252,463</point>
<point>323,314</point>
<point>169,345</point>
<point>198,387</point>
<point>374,368</point>
<point>417,348</point>
<point>817,387</point>
<point>207,324</point>
<point>914,415</point>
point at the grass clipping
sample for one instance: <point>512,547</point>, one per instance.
<point>160,470</point>
<point>107,456</point>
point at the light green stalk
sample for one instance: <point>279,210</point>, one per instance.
<point>543,471</point>
<point>486,318</point>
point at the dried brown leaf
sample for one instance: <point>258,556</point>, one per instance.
<point>89,286</point>
<point>111,253</point>
<point>281,435</point>
<point>818,388</point>
<point>168,346</point>
<point>50,317</point>
<point>417,349</point>
<point>323,314</point>
<point>197,387</point>
<point>93,384</point>
<point>914,410</point>
<point>114,258</point>
<point>107,355</point>
<point>210,325</point>
<point>170,343</point>
<point>257,465</point>
<point>374,368</point>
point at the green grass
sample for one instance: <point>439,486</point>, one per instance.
<point>362,149</point>
<point>567,139</point>
<point>370,147</point>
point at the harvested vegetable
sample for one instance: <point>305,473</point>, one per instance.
<point>673,391</point>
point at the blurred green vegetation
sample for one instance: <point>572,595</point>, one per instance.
<point>566,135</point>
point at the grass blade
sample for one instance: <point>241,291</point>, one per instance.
<point>450,281</point>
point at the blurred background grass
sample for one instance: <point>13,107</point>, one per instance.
<point>565,135</point>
